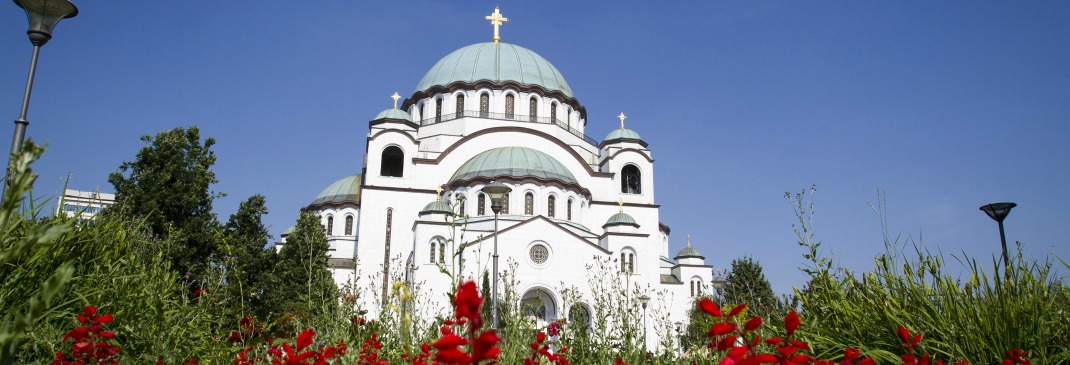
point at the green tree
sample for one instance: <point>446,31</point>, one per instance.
<point>168,184</point>
<point>247,260</point>
<point>301,285</point>
<point>698,324</point>
<point>747,284</point>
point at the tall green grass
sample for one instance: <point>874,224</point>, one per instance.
<point>978,315</point>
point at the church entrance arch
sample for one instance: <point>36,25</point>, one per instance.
<point>538,305</point>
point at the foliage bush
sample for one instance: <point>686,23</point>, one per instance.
<point>907,309</point>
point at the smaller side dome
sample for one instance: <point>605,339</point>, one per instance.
<point>622,133</point>
<point>436,207</point>
<point>345,191</point>
<point>394,114</point>
<point>689,252</point>
<point>621,219</point>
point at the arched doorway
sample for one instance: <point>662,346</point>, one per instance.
<point>538,304</point>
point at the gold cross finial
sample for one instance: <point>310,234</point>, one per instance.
<point>496,19</point>
<point>689,240</point>
<point>395,97</point>
<point>622,117</point>
<point>438,194</point>
<point>620,202</point>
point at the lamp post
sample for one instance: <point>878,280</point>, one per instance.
<point>680,335</point>
<point>643,300</point>
<point>43,15</point>
<point>999,212</point>
<point>496,192</point>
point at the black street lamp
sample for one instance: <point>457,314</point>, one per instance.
<point>43,15</point>
<point>644,299</point>
<point>999,212</point>
<point>496,192</point>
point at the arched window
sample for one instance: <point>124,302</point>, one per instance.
<point>349,225</point>
<point>386,252</point>
<point>460,106</point>
<point>623,262</point>
<point>481,204</point>
<point>533,109</point>
<point>505,203</point>
<point>550,206</point>
<point>579,315</point>
<point>509,106</point>
<point>630,180</point>
<point>568,209</point>
<point>553,113</point>
<point>631,263</point>
<point>484,105</point>
<point>460,204</point>
<point>434,245</point>
<point>438,110</point>
<point>330,225</point>
<point>529,204</point>
<point>441,252</point>
<point>568,117</point>
<point>393,162</point>
<point>692,288</point>
<point>422,115</point>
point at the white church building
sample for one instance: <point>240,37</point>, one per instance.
<point>498,113</point>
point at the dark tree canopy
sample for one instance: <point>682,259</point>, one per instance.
<point>247,261</point>
<point>747,284</point>
<point>301,282</point>
<point>168,184</point>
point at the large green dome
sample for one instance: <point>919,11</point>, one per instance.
<point>343,191</point>
<point>515,162</point>
<point>498,63</point>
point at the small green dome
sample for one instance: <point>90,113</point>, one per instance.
<point>622,133</point>
<point>393,114</point>
<point>288,231</point>
<point>619,219</point>
<point>346,190</point>
<point>513,162</point>
<point>495,62</point>
<point>689,252</point>
<point>437,206</point>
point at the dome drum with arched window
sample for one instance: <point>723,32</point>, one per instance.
<point>495,65</point>
<point>515,165</point>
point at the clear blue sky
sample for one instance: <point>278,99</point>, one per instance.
<point>945,105</point>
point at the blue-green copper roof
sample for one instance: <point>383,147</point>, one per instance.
<point>689,252</point>
<point>513,162</point>
<point>620,218</point>
<point>622,133</point>
<point>496,62</point>
<point>437,206</point>
<point>393,114</point>
<point>345,190</point>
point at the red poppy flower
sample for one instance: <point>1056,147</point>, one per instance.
<point>706,305</point>
<point>791,322</point>
<point>753,324</point>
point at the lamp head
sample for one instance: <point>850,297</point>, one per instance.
<point>998,211</point>
<point>496,191</point>
<point>644,300</point>
<point>43,16</point>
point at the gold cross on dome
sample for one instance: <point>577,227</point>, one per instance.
<point>395,97</point>
<point>688,240</point>
<point>620,202</point>
<point>438,194</point>
<point>622,117</point>
<point>496,19</point>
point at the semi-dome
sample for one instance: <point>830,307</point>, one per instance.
<point>689,252</point>
<point>621,218</point>
<point>515,162</point>
<point>393,114</point>
<point>437,206</point>
<point>498,63</point>
<point>343,191</point>
<point>622,133</point>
